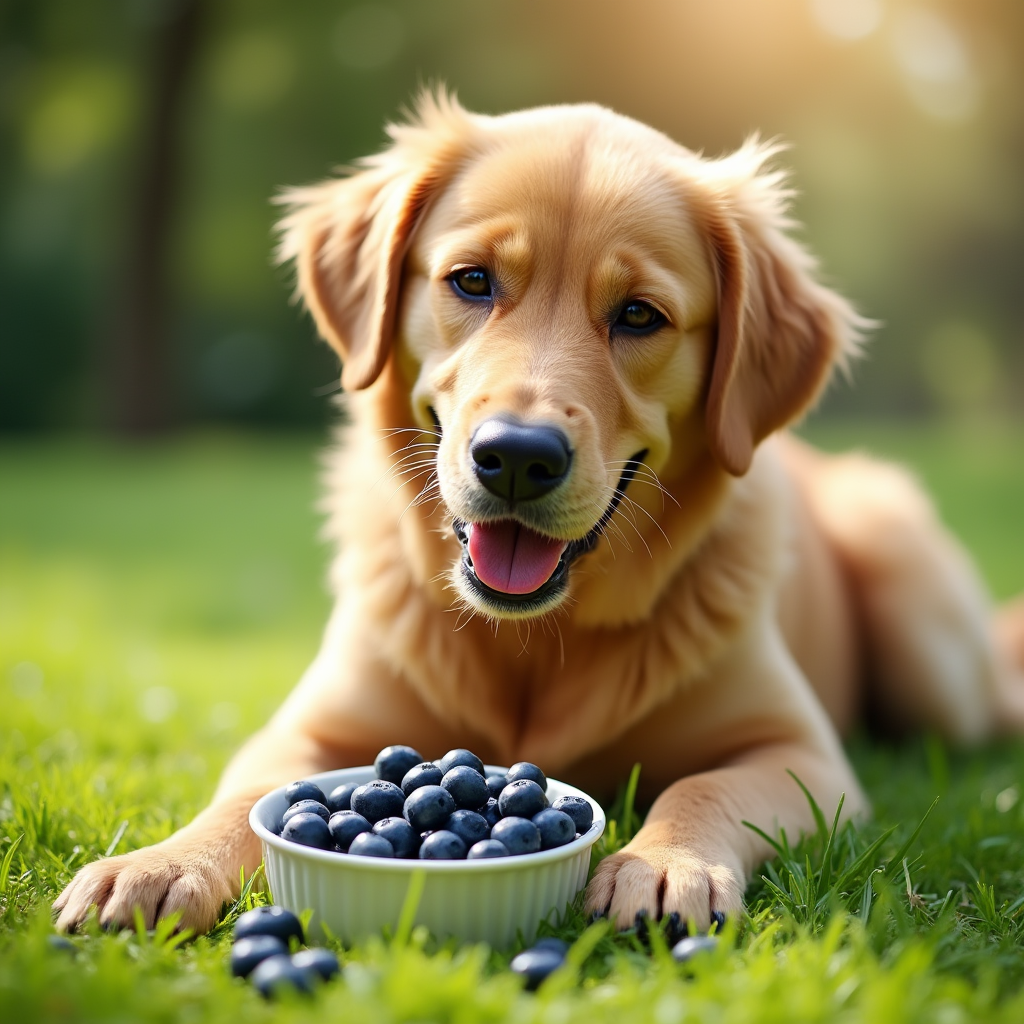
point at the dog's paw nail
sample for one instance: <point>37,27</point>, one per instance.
<point>717,920</point>
<point>597,915</point>
<point>641,924</point>
<point>675,928</point>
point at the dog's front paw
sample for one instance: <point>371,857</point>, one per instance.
<point>159,880</point>
<point>655,878</point>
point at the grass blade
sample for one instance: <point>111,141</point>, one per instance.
<point>5,867</point>
<point>627,807</point>
<point>905,848</point>
<point>407,917</point>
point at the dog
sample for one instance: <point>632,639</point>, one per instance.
<point>571,528</point>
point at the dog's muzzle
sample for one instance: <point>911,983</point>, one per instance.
<point>515,569</point>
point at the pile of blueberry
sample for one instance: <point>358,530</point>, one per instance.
<point>261,953</point>
<point>448,809</point>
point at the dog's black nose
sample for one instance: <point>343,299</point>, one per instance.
<point>519,462</point>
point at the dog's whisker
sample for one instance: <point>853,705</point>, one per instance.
<point>628,502</point>
<point>645,475</point>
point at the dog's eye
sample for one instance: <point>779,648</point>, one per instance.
<point>471,283</point>
<point>638,316</point>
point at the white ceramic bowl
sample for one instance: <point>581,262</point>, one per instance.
<point>486,900</point>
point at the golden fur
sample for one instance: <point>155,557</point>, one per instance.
<point>748,595</point>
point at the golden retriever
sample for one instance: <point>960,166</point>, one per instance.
<point>568,529</point>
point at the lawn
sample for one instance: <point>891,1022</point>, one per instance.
<point>157,603</point>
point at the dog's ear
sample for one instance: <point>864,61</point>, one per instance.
<point>349,236</point>
<point>780,332</point>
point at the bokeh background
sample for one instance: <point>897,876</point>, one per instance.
<point>141,142</point>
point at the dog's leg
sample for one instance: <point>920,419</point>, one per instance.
<point>694,855</point>
<point>938,657</point>
<point>196,870</point>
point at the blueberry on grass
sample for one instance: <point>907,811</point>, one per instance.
<point>486,849</point>
<point>459,756</point>
<point>526,770</point>
<point>495,784</point>
<point>305,807</point>
<point>559,946</point>
<point>469,826</point>
<point>247,953</point>
<point>426,773</point>
<point>535,965</point>
<point>400,834</point>
<point>304,790</point>
<point>443,845</point>
<point>345,826</point>
<point>369,844</point>
<point>686,949</point>
<point>277,973</point>
<point>428,808</point>
<point>490,813</point>
<point>522,799</point>
<point>308,830</point>
<point>517,835</point>
<point>555,827</point>
<point>467,787</point>
<point>340,799</point>
<point>317,961</point>
<point>578,808</point>
<point>378,799</point>
<point>392,763</point>
<point>276,921</point>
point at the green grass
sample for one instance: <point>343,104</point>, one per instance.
<point>156,604</point>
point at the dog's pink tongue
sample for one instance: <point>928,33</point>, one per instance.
<point>513,558</point>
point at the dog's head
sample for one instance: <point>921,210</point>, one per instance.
<point>573,300</point>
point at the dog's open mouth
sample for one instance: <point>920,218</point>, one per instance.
<point>514,568</point>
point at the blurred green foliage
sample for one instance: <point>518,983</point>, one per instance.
<point>905,118</point>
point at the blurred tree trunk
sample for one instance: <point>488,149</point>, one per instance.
<point>140,378</point>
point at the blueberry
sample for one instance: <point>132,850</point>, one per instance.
<point>556,828</point>
<point>305,807</point>
<point>467,787</point>
<point>425,774</point>
<point>457,757</point>
<point>304,790</point>
<point>247,953</point>
<point>61,943</point>
<point>518,835</point>
<point>276,921</point>
<point>400,834</point>
<point>559,946</point>
<point>277,973</point>
<point>308,830</point>
<point>687,949</point>
<point>317,961</point>
<point>490,813</point>
<point>368,844</point>
<point>526,770</point>
<point>495,784</point>
<point>487,848</point>
<point>522,799</point>
<point>340,799</point>
<point>578,808</point>
<point>535,965</point>
<point>469,826</point>
<point>345,826</point>
<point>392,763</point>
<point>428,808</point>
<point>443,845</point>
<point>378,799</point>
